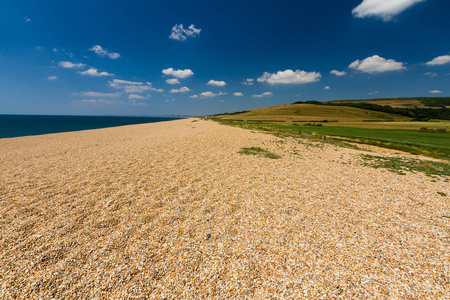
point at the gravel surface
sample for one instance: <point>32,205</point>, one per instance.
<point>172,210</point>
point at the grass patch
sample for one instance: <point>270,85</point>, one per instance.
<point>432,144</point>
<point>402,165</point>
<point>260,152</point>
<point>442,194</point>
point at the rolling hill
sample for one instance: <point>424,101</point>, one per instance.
<point>311,113</point>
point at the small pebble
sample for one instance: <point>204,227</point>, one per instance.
<point>208,236</point>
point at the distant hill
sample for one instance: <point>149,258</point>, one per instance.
<point>370,110</point>
<point>311,113</point>
<point>418,102</point>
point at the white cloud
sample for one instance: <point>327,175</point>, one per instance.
<point>376,64</point>
<point>248,81</point>
<point>327,88</point>
<point>100,101</point>
<point>52,77</point>
<point>217,83</point>
<point>211,94</point>
<point>135,97</point>
<point>132,86</point>
<point>289,77</point>
<point>194,96</point>
<point>134,102</point>
<point>178,73</point>
<point>98,94</point>
<point>94,72</point>
<point>435,92</point>
<point>55,50</point>
<point>373,93</point>
<point>263,95</point>
<point>184,89</point>
<point>173,81</point>
<point>338,73</point>
<point>97,49</point>
<point>384,9</point>
<point>27,20</point>
<point>181,34</point>
<point>70,65</point>
<point>238,94</point>
<point>39,48</point>
<point>431,74</point>
<point>440,60</point>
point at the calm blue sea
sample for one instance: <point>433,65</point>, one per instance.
<point>23,125</point>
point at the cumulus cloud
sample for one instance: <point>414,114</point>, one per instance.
<point>184,89</point>
<point>263,95</point>
<point>217,83</point>
<point>248,81</point>
<point>385,9</point>
<point>338,73</point>
<point>327,88</point>
<point>179,33</point>
<point>431,74</point>
<point>289,77</point>
<point>173,81</point>
<point>440,60</point>
<point>100,101</point>
<point>435,92</point>
<point>238,94</point>
<point>136,97</point>
<point>210,94</point>
<point>97,49</point>
<point>134,102</point>
<point>376,64</point>
<point>52,77</point>
<point>70,65</point>
<point>98,94</point>
<point>178,73</point>
<point>132,86</point>
<point>94,72</point>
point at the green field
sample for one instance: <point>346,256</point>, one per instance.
<point>430,138</point>
<point>310,112</point>
<point>433,144</point>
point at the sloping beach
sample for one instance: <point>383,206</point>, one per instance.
<point>172,210</point>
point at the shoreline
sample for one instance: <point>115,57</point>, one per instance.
<point>32,125</point>
<point>172,210</point>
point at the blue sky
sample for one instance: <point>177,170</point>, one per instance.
<point>141,57</point>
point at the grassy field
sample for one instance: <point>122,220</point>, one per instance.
<point>431,138</point>
<point>311,112</point>
<point>415,126</point>
<point>426,143</point>
<point>403,102</point>
<point>433,144</point>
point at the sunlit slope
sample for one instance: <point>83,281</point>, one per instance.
<point>311,113</point>
<point>419,102</point>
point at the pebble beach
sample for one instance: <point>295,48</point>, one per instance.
<point>172,210</point>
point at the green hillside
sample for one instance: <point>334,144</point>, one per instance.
<point>419,102</point>
<point>311,113</point>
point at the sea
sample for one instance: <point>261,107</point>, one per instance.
<point>24,125</point>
